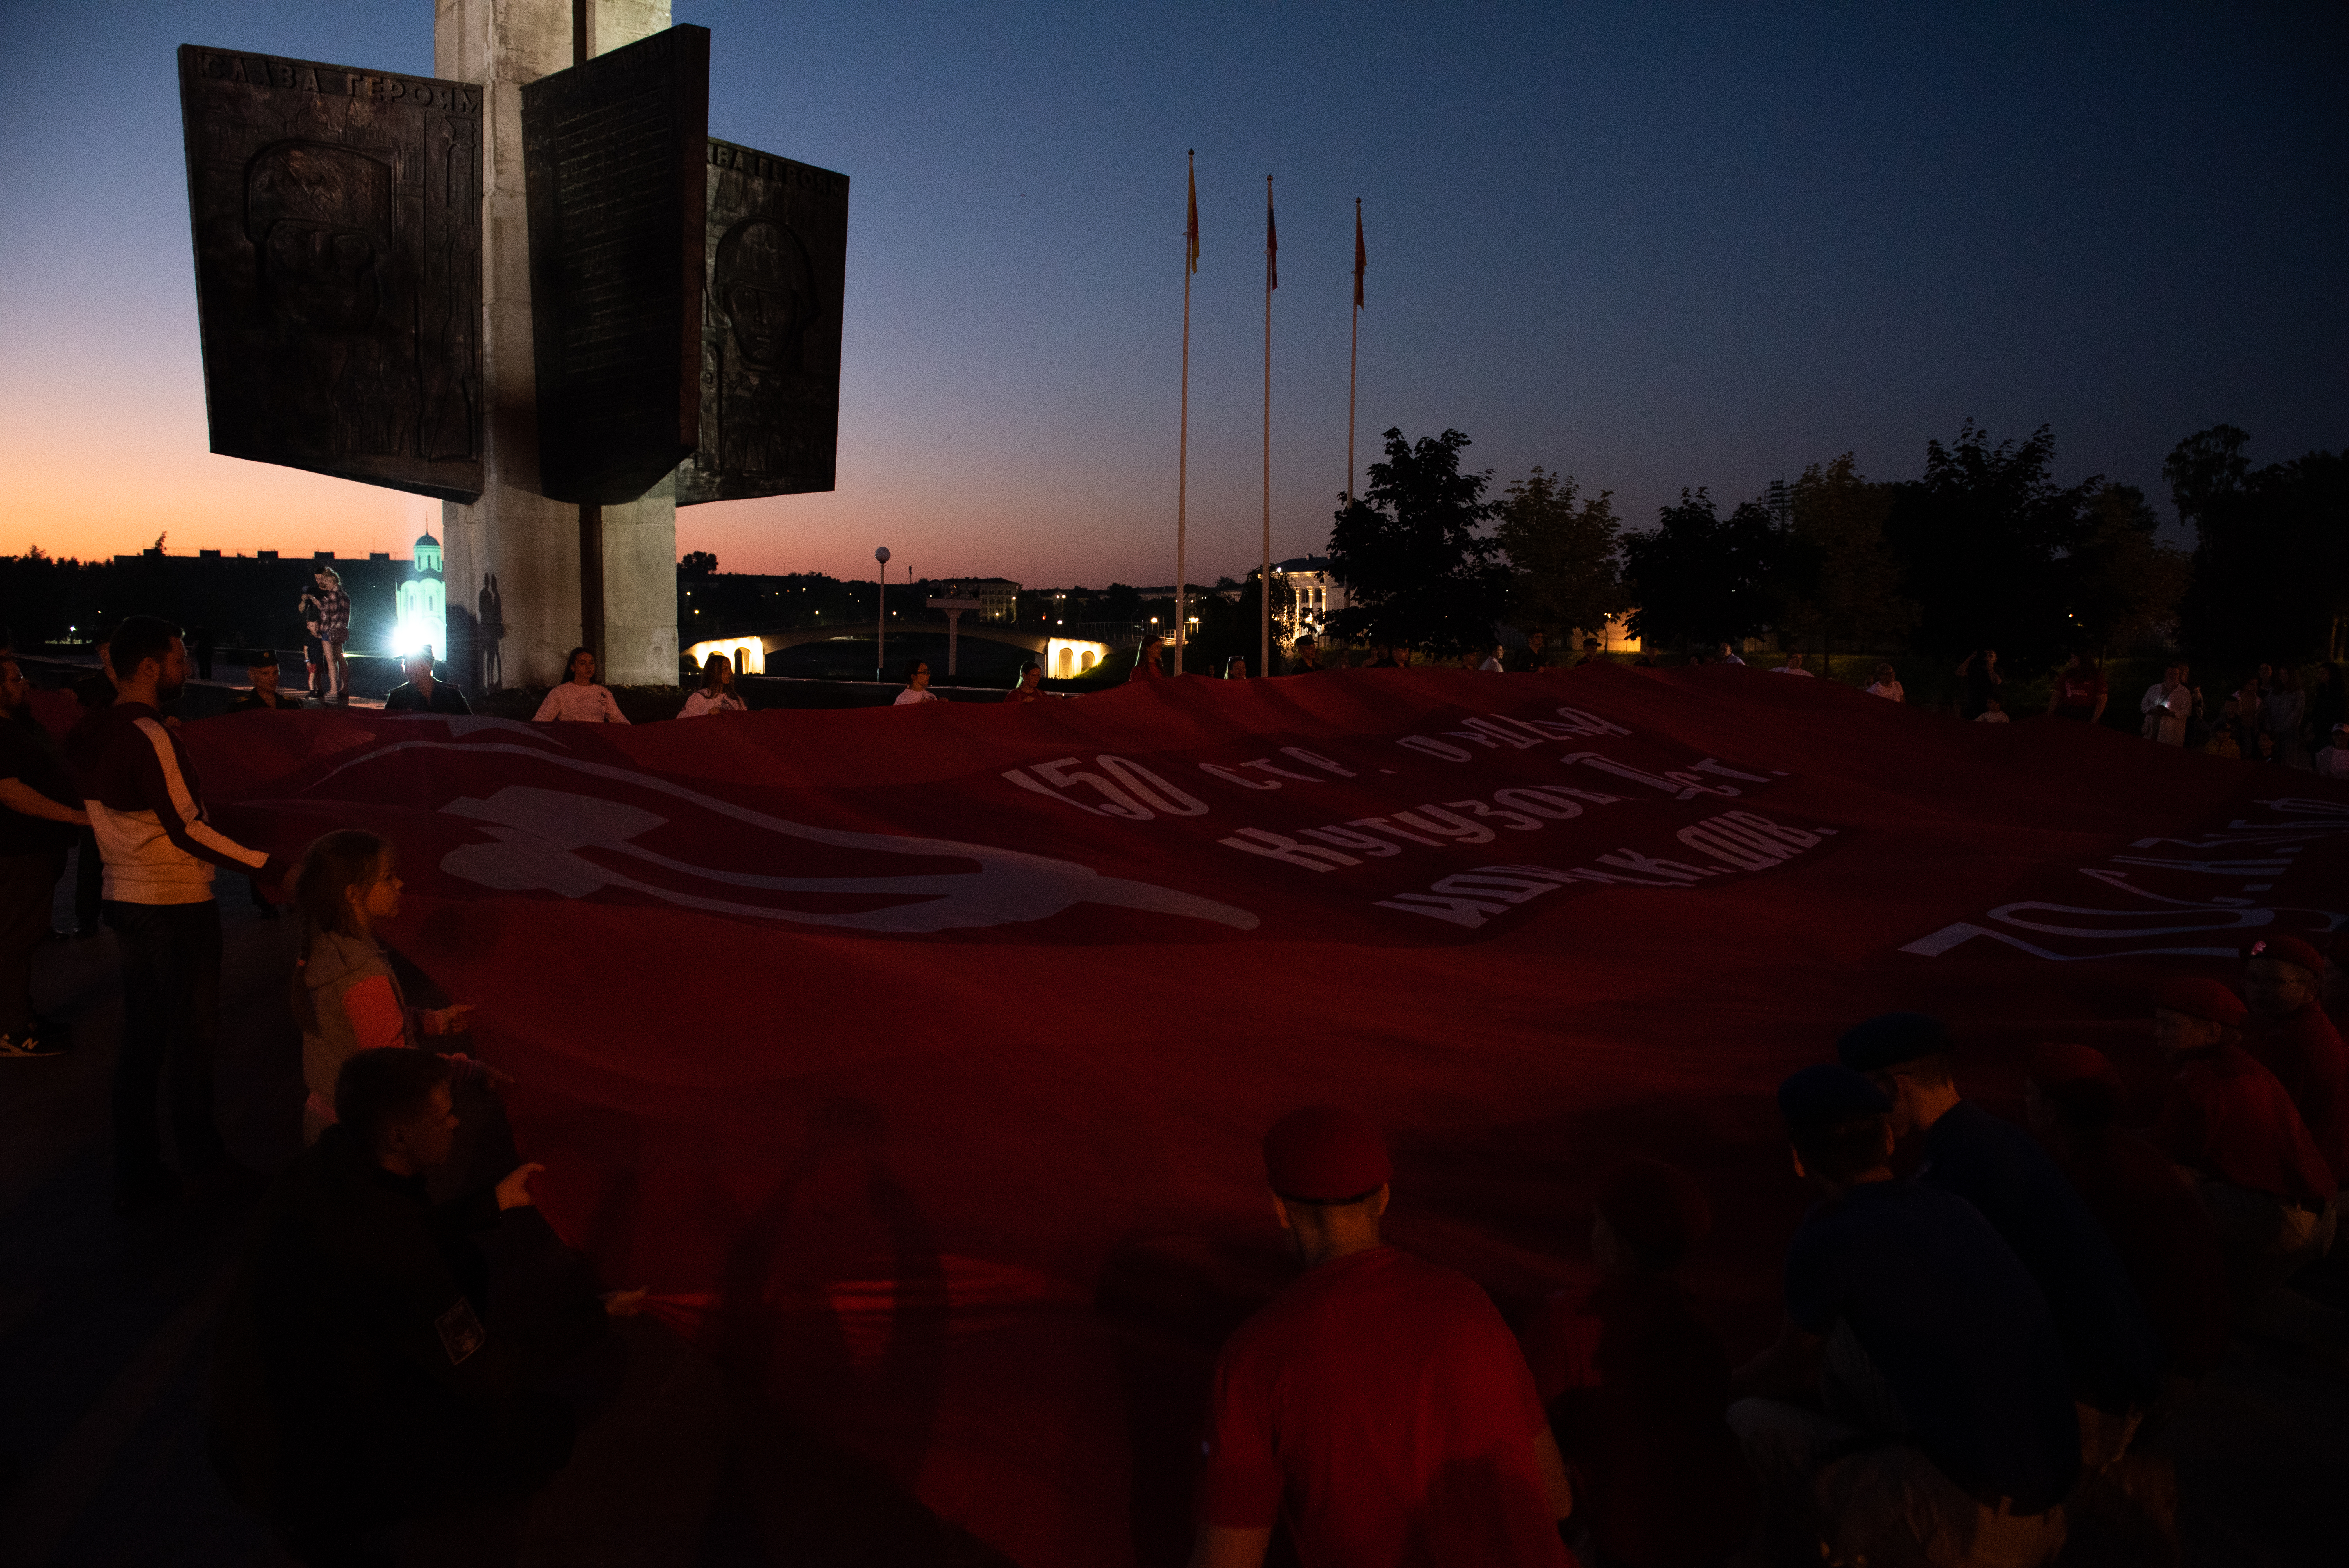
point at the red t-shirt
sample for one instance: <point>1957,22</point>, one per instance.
<point>2305,1053</point>
<point>2228,1118</point>
<point>2166,1240</point>
<point>1636,1385</point>
<point>2080,690</point>
<point>1382,1407</point>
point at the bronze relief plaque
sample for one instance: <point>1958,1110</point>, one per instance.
<point>770,319</point>
<point>612,156</point>
<point>337,216</point>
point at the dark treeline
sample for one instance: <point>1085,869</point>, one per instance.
<point>1983,549</point>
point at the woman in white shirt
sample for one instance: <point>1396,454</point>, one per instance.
<point>716,693</point>
<point>579,699</point>
<point>918,685</point>
<point>1888,684</point>
<point>1492,661</point>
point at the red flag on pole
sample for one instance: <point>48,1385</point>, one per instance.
<point>1361,257</point>
<point>1191,260</point>
<point>1272,242</point>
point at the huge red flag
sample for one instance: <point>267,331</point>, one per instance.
<point>917,1058</point>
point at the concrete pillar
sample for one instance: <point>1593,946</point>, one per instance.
<point>515,540</point>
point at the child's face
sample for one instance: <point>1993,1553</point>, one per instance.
<point>382,899</point>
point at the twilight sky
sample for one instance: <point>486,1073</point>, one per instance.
<point>1652,246</point>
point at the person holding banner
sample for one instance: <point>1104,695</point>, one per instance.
<point>716,693</point>
<point>2114,1353</point>
<point>918,685</point>
<point>1378,1405</point>
<point>2288,1034</point>
<point>1636,1384</point>
<point>1915,1407</point>
<point>1030,687</point>
<point>2229,1125</point>
<point>579,700</point>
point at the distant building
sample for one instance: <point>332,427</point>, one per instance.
<point>999,597</point>
<point>423,616</point>
<point>1312,596</point>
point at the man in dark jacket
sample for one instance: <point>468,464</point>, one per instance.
<point>422,694</point>
<point>364,1375</point>
<point>2108,1340</point>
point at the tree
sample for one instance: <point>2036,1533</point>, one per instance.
<point>1979,538</point>
<point>2205,466</point>
<point>1843,584</point>
<point>2122,585</point>
<point>1408,552</point>
<point>2272,551</point>
<point>697,564</point>
<point>1700,578</point>
<point>1565,564</point>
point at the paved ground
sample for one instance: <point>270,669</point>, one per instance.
<point>106,1329</point>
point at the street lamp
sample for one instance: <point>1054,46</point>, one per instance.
<point>881,622</point>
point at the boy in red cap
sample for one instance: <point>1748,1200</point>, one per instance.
<point>2230,1125</point>
<point>2164,1237</point>
<point>2289,1035</point>
<point>1379,1404</point>
<point>1636,1385</point>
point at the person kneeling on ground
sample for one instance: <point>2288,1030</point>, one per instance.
<point>2229,1125</point>
<point>2288,1034</point>
<point>1945,1427</point>
<point>2164,1236</point>
<point>1379,1404</point>
<point>423,693</point>
<point>364,1377</point>
<point>1636,1385</point>
<point>1996,1166</point>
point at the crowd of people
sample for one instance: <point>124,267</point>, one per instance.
<point>1961,1346</point>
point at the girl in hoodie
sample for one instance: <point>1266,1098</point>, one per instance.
<point>346,997</point>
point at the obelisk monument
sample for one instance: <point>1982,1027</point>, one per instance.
<point>514,548</point>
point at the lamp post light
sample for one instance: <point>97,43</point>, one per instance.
<point>881,617</point>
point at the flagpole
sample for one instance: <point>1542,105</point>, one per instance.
<point>1354,351</point>
<point>1264,597</point>
<point>1182,442</point>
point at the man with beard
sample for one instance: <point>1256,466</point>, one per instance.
<point>146,808</point>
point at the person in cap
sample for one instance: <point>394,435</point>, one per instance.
<point>2288,1034</point>
<point>260,667</point>
<point>1378,1405</point>
<point>2233,1127</point>
<point>2164,1237</point>
<point>1936,1418</point>
<point>1636,1384</point>
<point>1998,1167</point>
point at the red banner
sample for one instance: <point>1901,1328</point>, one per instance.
<point>916,1058</point>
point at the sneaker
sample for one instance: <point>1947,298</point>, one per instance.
<point>26,1046</point>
